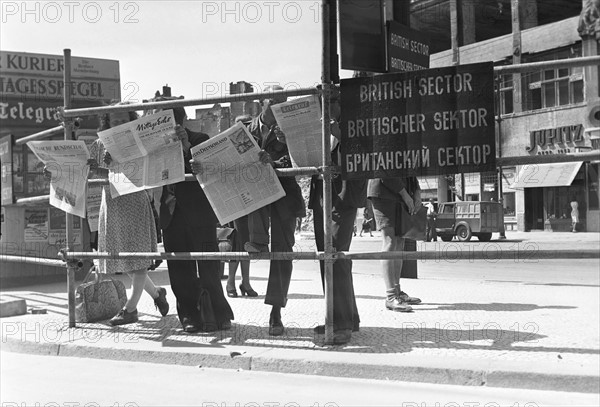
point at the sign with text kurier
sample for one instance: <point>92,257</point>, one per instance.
<point>428,122</point>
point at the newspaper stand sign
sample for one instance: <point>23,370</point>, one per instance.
<point>429,122</point>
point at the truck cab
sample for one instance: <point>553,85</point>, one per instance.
<point>467,219</point>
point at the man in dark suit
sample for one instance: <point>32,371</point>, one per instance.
<point>189,225</point>
<point>347,196</point>
<point>282,213</point>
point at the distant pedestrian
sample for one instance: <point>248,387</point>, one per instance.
<point>367,224</point>
<point>430,232</point>
<point>574,213</point>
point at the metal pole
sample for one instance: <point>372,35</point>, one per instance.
<point>327,200</point>
<point>68,127</point>
<point>169,104</point>
<point>42,134</point>
<point>499,154</point>
<point>557,63</point>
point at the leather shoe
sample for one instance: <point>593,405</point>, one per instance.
<point>189,327</point>
<point>160,302</point>
<point>342,336</point>
<point>124,317</point>
<point>397,305</point>
<point>275,326</point>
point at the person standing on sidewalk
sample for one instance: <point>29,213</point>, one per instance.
<point>387,194</point>
<point>282,213</point>
<point>574,213</point>
<point>189,224</point>
<point>126,224</point>
<point>430,232</point>
<point>347,196</point>
<point>240,238</point>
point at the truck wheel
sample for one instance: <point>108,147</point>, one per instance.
<point>463,233</point>
<point>484,237</point>
<point>446,238</point>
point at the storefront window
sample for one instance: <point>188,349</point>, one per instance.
<point>35,182</point>
<point>508,202</point>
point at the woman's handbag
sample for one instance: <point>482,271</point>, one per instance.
<point>99,299</point>
<point>411,226</point>
<point>225,238</point>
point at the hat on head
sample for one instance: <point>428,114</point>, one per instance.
<point>275,88</point>
<point>243,118</point>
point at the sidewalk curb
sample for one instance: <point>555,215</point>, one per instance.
<point>308,362</point>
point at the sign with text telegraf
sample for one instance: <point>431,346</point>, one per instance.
<point>408,49</point>
<point>428,122</point>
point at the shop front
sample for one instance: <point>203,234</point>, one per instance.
<point>550,191</point>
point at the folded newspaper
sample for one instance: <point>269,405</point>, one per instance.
<point>235,182</point>
<point>146,153</point>
<point>67,162</point>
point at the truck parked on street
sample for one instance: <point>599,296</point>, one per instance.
<point>466,219</point>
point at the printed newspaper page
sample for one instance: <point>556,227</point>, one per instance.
<point>94,199</point>
<point>300,120</point>
<point>145,152</point>
<point>235,182</point>
<point>67,161</point>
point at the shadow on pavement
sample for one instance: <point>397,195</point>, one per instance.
<point>495,306</point>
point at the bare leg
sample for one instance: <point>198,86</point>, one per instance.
<point>150,288</point>
<point>389,243</point>
<point>399,262</point>
<point>138,284</point>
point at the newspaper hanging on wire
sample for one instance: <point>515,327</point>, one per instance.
<point>300,121</point>
<point>235,182</point>
<point>67,162</point>
<point>146,153</point>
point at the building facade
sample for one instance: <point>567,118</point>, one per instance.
<point>547,111</point>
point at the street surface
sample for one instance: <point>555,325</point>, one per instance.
<point>65,381</point>
<point>507,332</point>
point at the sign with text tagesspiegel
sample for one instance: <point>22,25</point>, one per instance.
<point>428,122</point>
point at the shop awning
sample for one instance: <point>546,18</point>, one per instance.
<point>546,175</point>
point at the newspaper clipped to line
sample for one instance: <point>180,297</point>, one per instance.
<point>235,182</point>
<point>300,120</point>
<point>67,161</point>
<point>145,152</point>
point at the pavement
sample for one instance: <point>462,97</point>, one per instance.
<point>524,323</point>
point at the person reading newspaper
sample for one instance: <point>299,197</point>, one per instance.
<point>347,197</point>
<point>280,215</point>
<point>125,224</point>
<point>189,224</point>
